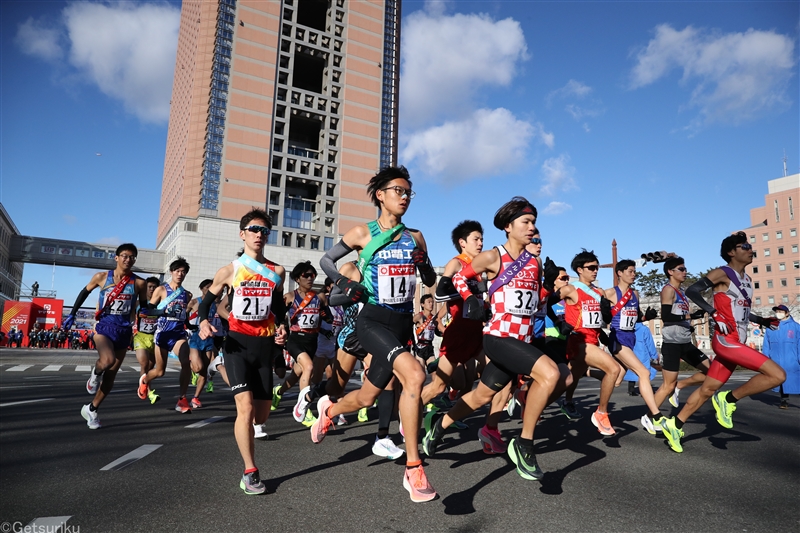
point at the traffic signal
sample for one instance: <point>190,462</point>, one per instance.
<point>657,257</point>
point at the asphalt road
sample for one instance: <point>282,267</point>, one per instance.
<point>51,467</point>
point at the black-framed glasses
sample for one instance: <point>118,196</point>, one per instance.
<point>745,246</point>
<point>563,278</point>
<point>263,230</point>
<point>591,267</point>
<point>126,256</point>
<point>680,269</point>
<point>308,275</point>
<point>536,240</point>
<point>401,191</point>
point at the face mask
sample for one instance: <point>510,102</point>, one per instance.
<point>780,315</point>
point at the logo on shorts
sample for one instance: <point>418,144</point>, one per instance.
<point>394,351</point>
<point>238,386</point>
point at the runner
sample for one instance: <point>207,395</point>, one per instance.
<point>143,341</point>
<point>389,254</point>
<point>201,351</point>
<point>515,287</point>
<point>171,333</point>
<point>115,314</point>
<point>256,307</point>
<point>676,333</point>
<point>733,294</point>
<point>583,302</point>
<point>621,311</point>
<point>425,328</point>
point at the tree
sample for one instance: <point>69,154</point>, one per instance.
<point>650,284</point>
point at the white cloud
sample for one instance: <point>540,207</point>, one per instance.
<point>576,90</point>
<point>735,76</point>
<point>557,176</point>
<point>556,208</point>
<point>446,59</point>
<point>573,88</point>
<point>34,38</point>
<point>490,142</point>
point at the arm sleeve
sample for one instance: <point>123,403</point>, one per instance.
<point>328,261</point>
<point>426,272</point>
<point>460,281</point>
<point>445,290</point>
<point>79,300</point>
<point>667,316</point>
<point>205,305</point>
<point>694,293</point>
<point>279,310</point>
<point>337,297</point>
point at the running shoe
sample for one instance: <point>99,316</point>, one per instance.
<point>194,379</point>
<point>152,396</point>
<point>428,419</point>
<point>784,403</point>
<point>309,419</point>
<point>647,424</point>
<point>416,483</point>
<point>258,432</point>
<point>276,398</point>
<point>602,423</point>
<point>212,367</point>
<point>723,408</point>
<point>183,405</point>
<point>459,425</point>
<point>323,423</point>
<point>93,382</point>
<point>511,406</point>
<point>672,433</point>
<point>362,415</point>
<point>142,390</point>
<point>527,467</point>
<point>433,437</point>
<point>341,420</point>
<point>429,407</point>
<point>251,484</point>
<point>491,440</point>
<point>569,410</point>
<point>673,400</point>
<point>91,417</point>
<point>299,411</point>
<point>402,433</point>
<point>209,386</point>
<point>385,447</point>
<point>452,395</point>
<point>195,404</point>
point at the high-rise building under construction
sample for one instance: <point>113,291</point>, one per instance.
<point>286,105</point>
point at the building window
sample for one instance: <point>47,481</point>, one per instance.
<point>785,298</point>
<point>315,243</point>
<point>797,265</point>
<point>783,283</point>
<point>793,232</point>
<point>765,236</point>
<point>780,250</point>
<point>758,300</point>
<point>328,244</point>
<point>782,266</point>
<point>756,284</point>
<point>769,283</point>
<point>752,238</point>
<point>771,299</point>
<point>301,241</point>
<point>794,248</point>
<point>768,268</point>
<point>777,212</point>
<point>299,213</point>
<point>779,235</point>
<point>287,239</point>
<point>755,270</point>
<point>797,282</point>
<point>766,252</point>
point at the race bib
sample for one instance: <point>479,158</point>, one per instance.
<point>590,315</point>
<point>308,318</point>
<point>148,325</point>
<point>680,308</point>
<point>251,301</point>
<point>627,318</point>
<point>396,284</point>
<point>742,314</point>
<point>121,306</point>
<point>521,297</point>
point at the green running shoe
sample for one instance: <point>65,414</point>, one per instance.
<point>362,415</point>
<point>527,467</point>
<point>276,398</point>
<point>672,433</point>
<point>194,379</point>
<point>210,386</point>
<point>433,436</point>
<point>723,408</point>
<point>309,419</point>
<point>152,396</point>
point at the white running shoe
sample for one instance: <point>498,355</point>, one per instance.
<point>92,383</point>
<point>341,420</point>
<point>385,447</point>
<point>259,432</point>
<point>673,400</point>
<point>648,425</point>
<point>300,408</point>
<point>212,367</point>
<point>91,417</point>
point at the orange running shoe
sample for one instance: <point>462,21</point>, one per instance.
<point>416,483</point>
<point>602,423</point>
<point>195,404</point>
<point>143,388</point>
<point>183,405</point>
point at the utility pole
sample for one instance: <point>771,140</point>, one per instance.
<point>613,262</point>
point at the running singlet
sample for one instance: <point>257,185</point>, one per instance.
<point>338,319</point>
<point>628,315</point>
<point>425,336</point>
<point>550,329</point>
<point>733,305</point>
<point>677,332</point>
<point>177,307</point>
<point>390,276</point>
<point>514,304</point>
<point>146,324</point>
<point>250,306</point>
<point>307,318</point>
<point>585,313</point>
<point>118,312</point>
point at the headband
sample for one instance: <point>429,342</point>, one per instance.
<point>527,210</point>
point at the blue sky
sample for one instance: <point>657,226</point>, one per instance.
<point>656,124</point>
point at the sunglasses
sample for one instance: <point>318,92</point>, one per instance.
<point>591,267</point>
<point>263,230</point>
<point>746,246</point>
<point>536,240</point>
<point>308,275</point>
<point>563,278</point>
<point>680,269</point>
<point>401,192</point>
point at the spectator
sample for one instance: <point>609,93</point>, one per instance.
<point>645,350</point>
<point>35,289</point>
<point>783,346</point>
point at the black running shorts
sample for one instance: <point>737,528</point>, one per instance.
<point>248,361</point>
<point>385,334</point>
<point>508,358</point>
<point>673,353</point>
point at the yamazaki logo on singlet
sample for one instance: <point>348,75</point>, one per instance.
<point>253,291</point>
<point>396,270</point>
<point>517,283</point>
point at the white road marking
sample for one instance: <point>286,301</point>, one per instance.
<point>132,457</point>
<point>7,404</point>
<point>83,368</point>
<point>52,368</point>
<point>206,422</point>
<point>48,523</point>
<point>19,368</point>
<point>168,369</point>
<point>24,387</point>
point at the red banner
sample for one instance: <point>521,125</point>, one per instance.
<point>47,312</point>
<point>17,314</point>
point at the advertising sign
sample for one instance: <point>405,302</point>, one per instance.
<point>17,314</point>
<point>47,312</point>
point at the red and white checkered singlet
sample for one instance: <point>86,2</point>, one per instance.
<point>514,304</point>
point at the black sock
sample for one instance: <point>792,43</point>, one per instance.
<point>526,445</point>
<point>655,417</point>
<point>437,428</point>
<point>730,398</point>
<point>678,423</point>
<point>385,407</point>
<point>92,408</point>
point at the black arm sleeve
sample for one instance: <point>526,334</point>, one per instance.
<point>79,300</point>
<point>426,272</point>
<point>205,305</point>
<point>667,316</point>
<point>328,261</point>
<point>337,297</point>
<point>445,290</point>
<point>279,310</point>
<point>694,293</point>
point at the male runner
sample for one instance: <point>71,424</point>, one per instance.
<point>515,287</point>
<point>143,341</point>
<point>115,315</point>
<point>389,255</point>
<point>201,351</point>
<point>733,293</point>
<point>424,330</point>
<point>676,333</point>
<point>255,320</point>
<point>171,333</point>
